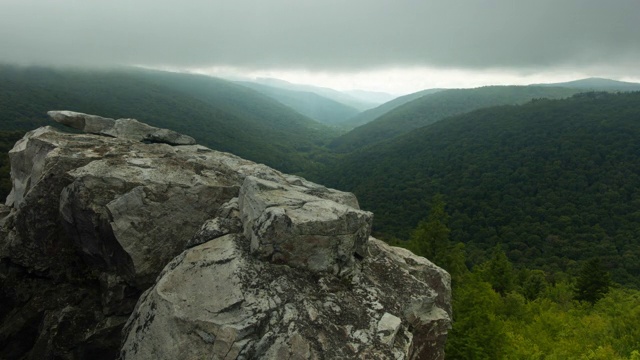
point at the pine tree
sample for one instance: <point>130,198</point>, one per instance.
<point>499,272</point>
<point>431,240</point>
<point>593,282</point>
<point>534,285</point>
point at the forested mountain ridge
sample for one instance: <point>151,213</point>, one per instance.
<point>597,84</point>
<point>217,113</point>
<point>554,181</point>
<point>428,109</point>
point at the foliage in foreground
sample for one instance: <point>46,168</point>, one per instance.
<point>553,326</point>
<point>501,312</point>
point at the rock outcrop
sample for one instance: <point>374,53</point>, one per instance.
<point>122,128</point>
<point>134,242</point>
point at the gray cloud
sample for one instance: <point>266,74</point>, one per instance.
<point>324,35</point>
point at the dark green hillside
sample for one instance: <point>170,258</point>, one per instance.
<point>218,113</point>
<point>554,181</point>
<point>429,109</point>
<point>598,84</point>
<point>316,107</point>
<point>372,114</point>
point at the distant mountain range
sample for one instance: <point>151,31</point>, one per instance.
<point>347,99</point>
<point>597,84</point>
<point>269,120</point>
<point>437,105</point>
<point>332,112</point>
<point>311,104</point>
<point>218,113</point>
<point>375,97</point>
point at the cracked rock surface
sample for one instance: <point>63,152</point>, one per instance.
<point>134,242</point>
<point>219,300</point>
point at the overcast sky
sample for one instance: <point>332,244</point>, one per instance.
<point>392,45</point>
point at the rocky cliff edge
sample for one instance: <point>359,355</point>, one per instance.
<point>132,242</point>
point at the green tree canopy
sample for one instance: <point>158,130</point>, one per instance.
<point>431,240</point>
<point>593,283</point>
<point>499,272</point>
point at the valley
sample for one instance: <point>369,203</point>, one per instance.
<point>535,181</point>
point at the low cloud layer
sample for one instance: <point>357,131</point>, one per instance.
<point>328,35</point>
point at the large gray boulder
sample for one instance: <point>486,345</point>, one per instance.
<point>218,300</point>
<point>121,128</point>
<point>290,227</point>
<point>201,253</point>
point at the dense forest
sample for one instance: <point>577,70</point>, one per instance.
<point>554,181</point>
<point>533,208</point>
<point>503,311</point>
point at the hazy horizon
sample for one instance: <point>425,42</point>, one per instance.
<point>377,45</point>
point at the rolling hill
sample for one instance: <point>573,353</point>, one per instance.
<point>428,109</point>
<point>555,182</point>
<point>217,113</point>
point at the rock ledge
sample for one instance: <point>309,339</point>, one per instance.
<point>134,242</point>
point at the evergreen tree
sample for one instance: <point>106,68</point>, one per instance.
<point>534,285</point>
<point>455,261</point>
<point>593,282</point>
<point>477,332</point>
<point>499,272</point>
<point>431,240</point>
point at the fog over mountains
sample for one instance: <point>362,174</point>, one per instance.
<point>370,45</point>
<point>494,142</point>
